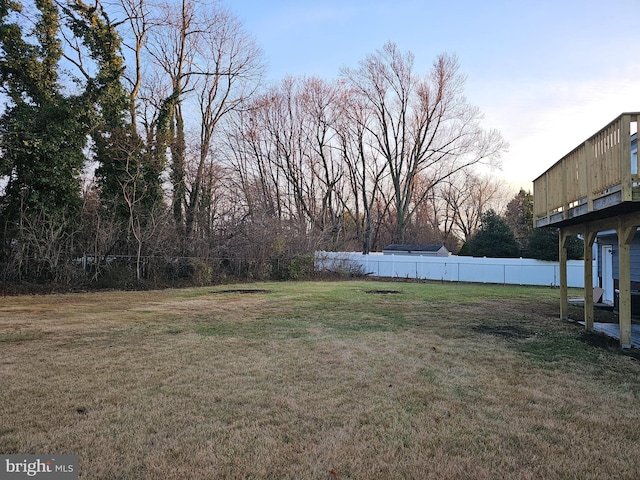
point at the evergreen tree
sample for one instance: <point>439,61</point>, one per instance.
<point>128,174</point>
<point>42,131</point>
<point>544,245</point>
<point>493,239</point>
<point>519,216</point>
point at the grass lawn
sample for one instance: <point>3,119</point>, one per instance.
<point>318,380</point>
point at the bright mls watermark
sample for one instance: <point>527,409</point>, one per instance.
<point>50,467</point>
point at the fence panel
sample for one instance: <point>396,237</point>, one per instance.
<point>514,271</point>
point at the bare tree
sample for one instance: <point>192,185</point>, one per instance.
<point>421,125</point>
<point>42,247</point>
<point>171,47</point>
<point>139,24</point>
<point>366,170</point>
<point>321,107</point>
<point>467,196</point>
<point>100,232</point>
<point>287,148</point>
<point>254,176</point>
<point>228,68</point>
<point>214,67</point>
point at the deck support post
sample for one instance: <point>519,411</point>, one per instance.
<point>625,237</point>
<point>589,238</point>
<point>564,296</point>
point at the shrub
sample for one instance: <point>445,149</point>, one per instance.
<point>300,266</point>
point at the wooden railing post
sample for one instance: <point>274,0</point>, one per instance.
<point>588,159</point>
<point>625,158</point>
<point>565,194</point>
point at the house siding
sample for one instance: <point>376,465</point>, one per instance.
<point>635,259</point>
<point>606,240</point>
<point>635,256</point>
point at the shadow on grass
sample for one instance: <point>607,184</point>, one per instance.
<point>556,345</point>
<point>504,331</point>
<point>19,337</point>
<point>242,291</point>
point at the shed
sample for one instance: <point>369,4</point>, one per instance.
<point>424,250</point>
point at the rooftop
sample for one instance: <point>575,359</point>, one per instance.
<point>402,247</point>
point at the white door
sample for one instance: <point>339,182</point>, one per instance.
<point>607,274</point>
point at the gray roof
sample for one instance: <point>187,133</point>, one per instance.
<point>400,247</point>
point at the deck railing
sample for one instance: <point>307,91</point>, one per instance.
<point>599,173</point>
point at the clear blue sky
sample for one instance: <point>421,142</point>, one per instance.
<point>546,73</point>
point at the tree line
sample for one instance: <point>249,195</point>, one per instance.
<point>140,144</point>
<point>513,235</point>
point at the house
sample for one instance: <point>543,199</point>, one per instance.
<point>424,250</point>
<point>593,191</point>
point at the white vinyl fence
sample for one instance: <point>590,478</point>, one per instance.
<point>515,271</point>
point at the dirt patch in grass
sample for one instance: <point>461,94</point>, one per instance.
<point>242,291</point>
<point>600,340</point>
<point>504,331</point>
<point>383,292</point>
<point>20,336</point>
<point>601,315</point>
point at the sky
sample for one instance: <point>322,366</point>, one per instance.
<point>546,74</point>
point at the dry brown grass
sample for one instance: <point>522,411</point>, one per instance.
<point>438,381</point>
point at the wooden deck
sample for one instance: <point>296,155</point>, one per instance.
<point>595,188</point>
<point>599,179</point>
